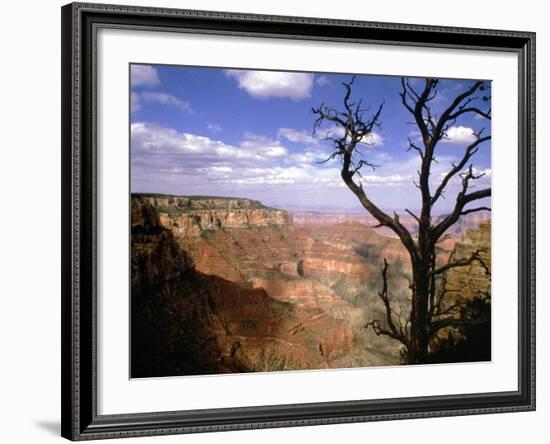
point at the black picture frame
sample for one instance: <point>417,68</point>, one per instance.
<point>80,420</point>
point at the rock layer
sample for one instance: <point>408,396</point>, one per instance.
<point>465,283</point>
<point>261,293</point>
<point>191,216</point>
<point>187,322</point>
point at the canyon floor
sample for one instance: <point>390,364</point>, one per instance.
<point>229,285</point>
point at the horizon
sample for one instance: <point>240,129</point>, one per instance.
<point>246,133</point>
<point>289,208</point>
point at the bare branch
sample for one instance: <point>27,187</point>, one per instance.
<point>473,210</point>
<point>438,309</point>
<point>461,201</point>
<point>332,156</point>
<point>447,311</point>
<point>413,215</point>
<point>486,114</point>
<point>448,113</point>
<point>394,331</point>
<point>468,153</point>
<point>453,322</point>
<point>357,131</point>
<point>444,238</point>
<point>428,312</point>
<point>475,256</point>
<point>419,100</point>
<point>413,146</point>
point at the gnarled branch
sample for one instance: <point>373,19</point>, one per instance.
<point>356,130</point>
<point>394,331</point>
<point>456,168</point>
<point>475,256</point>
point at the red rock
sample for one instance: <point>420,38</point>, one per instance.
<point>279,295</point>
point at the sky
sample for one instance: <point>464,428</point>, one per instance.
<point>249,134</point>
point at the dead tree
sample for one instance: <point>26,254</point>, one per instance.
<point>355,132</point>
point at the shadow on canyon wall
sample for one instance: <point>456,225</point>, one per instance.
<point>228,285</point>
<point>185,322</point>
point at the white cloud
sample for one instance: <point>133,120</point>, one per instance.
<point>323,80</point>
<point>166,99</point>
<point>189,163</point>
<point>222,169</point>
<point>299,175</point>
<point>309,157</point>
<point>217,172</point>
<point>390,180</point>
<point>264,84</point>
<point>460,134</point>
<point>332,131</point>
<point>172,147</point>
<point>213,127</point>
<point>263,146</point>
<point>150,138</point>
<point>165,155</point>
<point>271,176</point>
<point>135,104</point>
<point>144,75</point>
<point>296,136</point>
<point>485,173</point>
<point>373,139</point>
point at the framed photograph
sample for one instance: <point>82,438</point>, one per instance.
<point>280,221</point>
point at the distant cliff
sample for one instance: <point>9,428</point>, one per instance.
<point>192,215</point>
<point>473,280</point>
<point>323,272</point>
<point>187,322</point>
<point>308,218</point>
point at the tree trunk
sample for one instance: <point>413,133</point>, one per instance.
<point>420,325</point>
<point>416,334</point>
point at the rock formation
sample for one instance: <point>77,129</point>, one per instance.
<point>244,288</point>
<point>308,218</point>
<point>465,283</point>
<point>465,293</point>
<point>191,216</point>
<point>187,322</point>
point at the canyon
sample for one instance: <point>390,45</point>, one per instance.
<point>230,285</point>
<point>306,218</point>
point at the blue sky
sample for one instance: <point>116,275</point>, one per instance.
<point>244,133</point>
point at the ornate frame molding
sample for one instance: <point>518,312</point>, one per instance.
<point>80,22</point>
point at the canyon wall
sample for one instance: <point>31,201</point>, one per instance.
<point>465,294</point>
<point>473,280</point>
<point>330,269</point>
<point>187,322</point>
<point>276,294</point>
<point>191,216</point>
<point>307,218</point>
